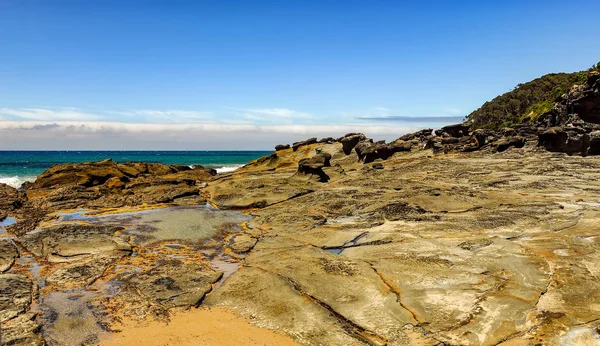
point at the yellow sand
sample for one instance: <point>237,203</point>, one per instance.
<point>215,326</point>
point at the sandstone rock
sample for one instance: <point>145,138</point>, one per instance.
<point>327,140</point>
<point>180,168</point>
<point>506,142</point>
<point>22,330</point>
<point>279,147</point>
<point>553,139</point>
<point>174,283</point>
<point>75,275</point>
<point>10,200</point>
<point>15,295</point>
<point>242,243</point>
<point>309,141</point>
<point>82,174</point>
<point>315,165</point>
<point>74,242</point>
<point>577,144</point>
<point>8,254</point>
<point>418,135</point>
<point>457,130</point>
<point>594,143</point>
<point>366,151</point>
<point>350,141</point>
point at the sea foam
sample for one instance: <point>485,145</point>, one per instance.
<point>226,169</point>
<point>16,181</point>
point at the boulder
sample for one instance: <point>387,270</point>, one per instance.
<point>418,135</point>
<point>82,174</point>
<point>594,148</point>
<point>350,141</point>
<point>181,168</point>
<point>367,151</point>
<point>314,166</point>
<point>10,200</point>
<point>506,142</point>
<point>553,139</point>
<point>456,130</point>
<point>327,140</point>
<point>279,147</point>
<point>577,144</point>
<point>309,141</point>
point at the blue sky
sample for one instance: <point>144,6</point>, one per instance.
<point>291,68</point>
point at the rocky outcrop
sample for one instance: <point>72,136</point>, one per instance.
<point>314,166</point>
<point>74,242</point>
<point>10,200</point>
<point>350,140</point>
<point>568,127</point>
<point>309,141</point>
<point>18,327</point>
<point>279,147</point>
<point>8,254</point>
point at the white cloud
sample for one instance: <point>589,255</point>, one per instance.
<point>121,136</point>
<point>48,114</point>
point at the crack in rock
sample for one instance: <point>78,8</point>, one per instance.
<point>351,328</point>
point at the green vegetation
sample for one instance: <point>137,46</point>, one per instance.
<point>526,102</point>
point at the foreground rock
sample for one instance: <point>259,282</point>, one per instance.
<point>493,247</point>
<point>462,237</point>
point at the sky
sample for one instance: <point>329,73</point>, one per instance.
<point>146,74</point>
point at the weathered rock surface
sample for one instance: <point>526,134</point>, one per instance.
<point>75,242</point>
<point>459,238</point>
<point>488,247</point>
<point>8,254</point>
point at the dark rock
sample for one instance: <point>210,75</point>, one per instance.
<point>449,140</point>
<point>309,141</point>
<point>279,147</point>
<point>456,130</point>
<point>181,168</point>
<point>314,166</point>
<point>506,142</point>
<point>577,144</point>
<point>418,135</point>
<point>366,151</point>
<point>553,139</point>
<point>10,199</point>
<point>594,148</point>
<point>350,141</point>
<point>327,140</point>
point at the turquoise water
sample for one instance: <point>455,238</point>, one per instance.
<point>17,167</point>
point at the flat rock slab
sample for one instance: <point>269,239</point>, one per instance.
<point>76,242</point>
<point>15,295</point>
<point>8,253</point>
<point>173,283</point>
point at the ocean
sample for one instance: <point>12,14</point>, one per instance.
<point>16,167</point>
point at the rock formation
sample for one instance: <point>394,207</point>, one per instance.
<point>460,236</point>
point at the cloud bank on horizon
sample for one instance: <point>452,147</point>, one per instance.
<point>233,128</point>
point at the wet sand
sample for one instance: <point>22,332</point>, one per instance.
<point>216,326</point>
